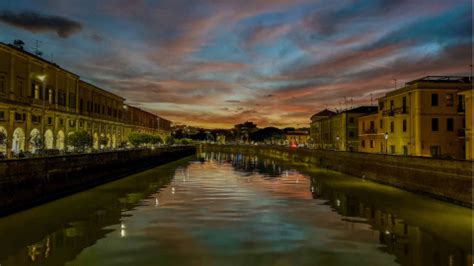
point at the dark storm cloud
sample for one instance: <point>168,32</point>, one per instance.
<point>35,22</point>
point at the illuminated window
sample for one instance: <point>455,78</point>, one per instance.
<point>449,99</point>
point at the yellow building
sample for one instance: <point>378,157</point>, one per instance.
<point>469,133</point>
<point>371,133</point>
<point>424,118</point>
<point>298,137</point>
<point>338,131</point>
<point>40,100</point>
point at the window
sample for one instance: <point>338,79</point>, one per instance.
<point>392,149</point>
<point>434,124</point>
<point>20,87</point>
<point>449,99</point>
<point>450,124</point>
<point>81,105</point>
<point>80,123</point>
<point>404,105</point>
<point>351,134</point>
<point>372,125</point>
<point>392,127</point>
<point>434,99</point>
<point>351,120</point>
<point>3,83</point>
<point>61,122</point>
<point>461,104</point>
<point>72,123</point>
<point>371,143</point>
<point>363,126</point>
<point>405,150</point>
<point>435,151</point>
<point>2,115</point>
<point>404,126</point>
<point>72,100</point>
<point>50,120</point>
<point>36,119</point>
<point>35,90</point>
<point>61,98</point>
<point>392,106</point>
<point>20,117</point>
<point>363,144</point>
<point>51,95</point>
<point>381,123</point>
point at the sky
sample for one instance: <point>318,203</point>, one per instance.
<point>213,64</point>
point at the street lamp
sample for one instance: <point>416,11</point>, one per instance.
<point>337,142</point>
<point>386,142</point>
<point>42,78</point>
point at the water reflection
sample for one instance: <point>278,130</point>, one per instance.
<point>239,209</point>
<point>412,244</point>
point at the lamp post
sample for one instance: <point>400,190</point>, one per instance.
<point>337,142</point>
<point>43,80</point>
<point>386,142</point>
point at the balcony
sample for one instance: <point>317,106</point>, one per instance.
<point>370,131</point>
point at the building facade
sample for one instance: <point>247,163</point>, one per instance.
<point>39,101</point>
<point>338,131</point>
<point>316,130</point>
<point>468,133</point>
<point>424,118</point>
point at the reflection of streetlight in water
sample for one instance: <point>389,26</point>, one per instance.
<point>123,233</point>
<point>172,190</point>
<point>156,202</point>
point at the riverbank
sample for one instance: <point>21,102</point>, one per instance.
<point>447,180</point>
<point>28,182</point>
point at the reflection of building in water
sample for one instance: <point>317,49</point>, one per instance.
<point>408,243</point>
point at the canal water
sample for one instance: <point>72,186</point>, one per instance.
<point>231,209</point>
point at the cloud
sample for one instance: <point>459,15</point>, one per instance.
<point>35,22</point>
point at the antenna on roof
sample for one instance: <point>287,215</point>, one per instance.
<point>395,83</point>
<point>37,51</point>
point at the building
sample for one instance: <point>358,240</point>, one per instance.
<point>317,138</point>
<point>40,100</point>
<point>423,118</point>
<point>243,131</point>
<point>297,138</point>
<point>338,131</point>
<point>468,133</point>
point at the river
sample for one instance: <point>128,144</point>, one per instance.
<point>231,209</point>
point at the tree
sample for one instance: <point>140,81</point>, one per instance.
<point>80,140</point>
<point>156,139</point>
<point>103,141</point>
<point>3,138</point>
<point>268,134</point>
<point>135,138</point>
<point>36,141</point>
<point>169,140</point>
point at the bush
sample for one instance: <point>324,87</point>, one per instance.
<point>137,139</point>
<point>80,140</point>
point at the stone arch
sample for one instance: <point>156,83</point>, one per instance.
<point>18,141</point>
<point>95,141</point>
<point>48,139</point>
<point>109,142</point>
<point>35,140</point>
<point>60,140</point>
<point>3,145</point>
<point>114,141</point>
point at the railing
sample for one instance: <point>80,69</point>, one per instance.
<point>370,131</point>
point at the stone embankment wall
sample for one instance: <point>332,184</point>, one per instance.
<point>449,180</point>
<point>28,182</point>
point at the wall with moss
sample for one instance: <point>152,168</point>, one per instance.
<point>449,180</point>
<point>27,182</point>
